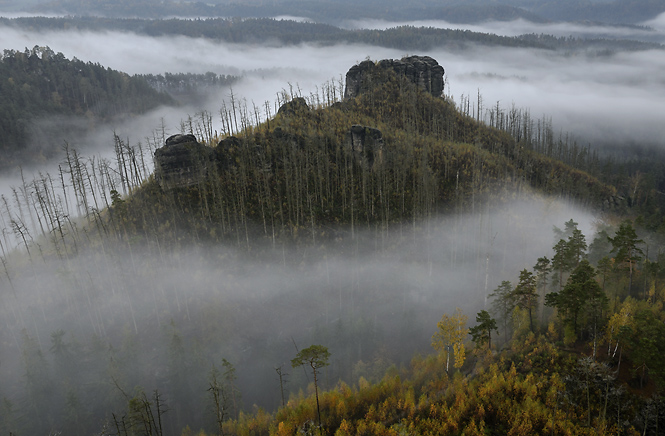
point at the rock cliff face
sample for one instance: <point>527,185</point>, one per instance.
<point>424,71</point>
<point>182,162</point>
<point>366,142</point>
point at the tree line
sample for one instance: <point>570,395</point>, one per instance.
<point>253,30</point>
<point>323,10</point>
<point>607,292</point>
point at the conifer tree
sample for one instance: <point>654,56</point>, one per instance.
<point>482,332</point>
<point>581,290</point>
<point>503,303</point>
<point>625,246</point>
<point>316,356</point>
<point>525,293</point>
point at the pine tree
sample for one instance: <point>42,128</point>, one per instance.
<point>581,289</point>
<point>525,293</point>
<point>316,356</point>
<point>503,303</point>
<point>625,246</point>
<point>482,332</point>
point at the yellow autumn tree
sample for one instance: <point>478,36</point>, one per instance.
<point>450,337</point>
<point>623,318</point>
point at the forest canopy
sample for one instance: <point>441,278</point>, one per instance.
<point>38,82</point>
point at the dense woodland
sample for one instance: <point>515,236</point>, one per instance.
<point>188,87</point>
<point>258,30</point>
<point>38,83</point>
<point>618,11</point>
<point>162,281</point>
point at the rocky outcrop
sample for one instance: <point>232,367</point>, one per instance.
<point>224,152</point>
<point>423,71</point>
<point>614,203</point>
<point>182,162</point>
<point>296,106</point>
<point>367,143</point>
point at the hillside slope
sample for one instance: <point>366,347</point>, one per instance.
<point>39,84</point>
<point>392,153</point>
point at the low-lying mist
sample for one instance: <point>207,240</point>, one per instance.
<point>157,317</point>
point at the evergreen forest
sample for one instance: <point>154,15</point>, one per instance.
<point>290,32</point>
<point>617,11</point>
<point>38,84</point>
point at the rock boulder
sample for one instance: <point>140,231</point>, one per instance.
<point>182,162</point>
<point>296,106</point>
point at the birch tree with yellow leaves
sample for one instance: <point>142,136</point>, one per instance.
<point>450,337</point>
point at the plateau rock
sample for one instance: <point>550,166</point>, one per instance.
<point>423,71</point>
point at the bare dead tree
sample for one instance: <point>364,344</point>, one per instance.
<point>282,376</point>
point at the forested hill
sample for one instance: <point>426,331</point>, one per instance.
<point>39,83</point>
<point>326,224</point>
<point>618,11</point>
<point>392,153</point>
<point>259,30</point>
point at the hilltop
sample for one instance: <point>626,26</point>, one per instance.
<point>390,151</point>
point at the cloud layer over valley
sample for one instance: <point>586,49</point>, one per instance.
<point>352,294</point>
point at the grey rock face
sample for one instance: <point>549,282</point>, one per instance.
<point>180,139</point>
<point>424,71</point>
<point>366,142</point>
<point>357,78</point>
<point>182,162</point>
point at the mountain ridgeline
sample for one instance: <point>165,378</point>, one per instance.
<point>392,150</point>
<point>617,11</point>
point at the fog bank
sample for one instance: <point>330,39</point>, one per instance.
<point>375,295</point>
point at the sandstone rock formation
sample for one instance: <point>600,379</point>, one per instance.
<point>182,162</point>
<point>424,71</point>
<point>224,152</point>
